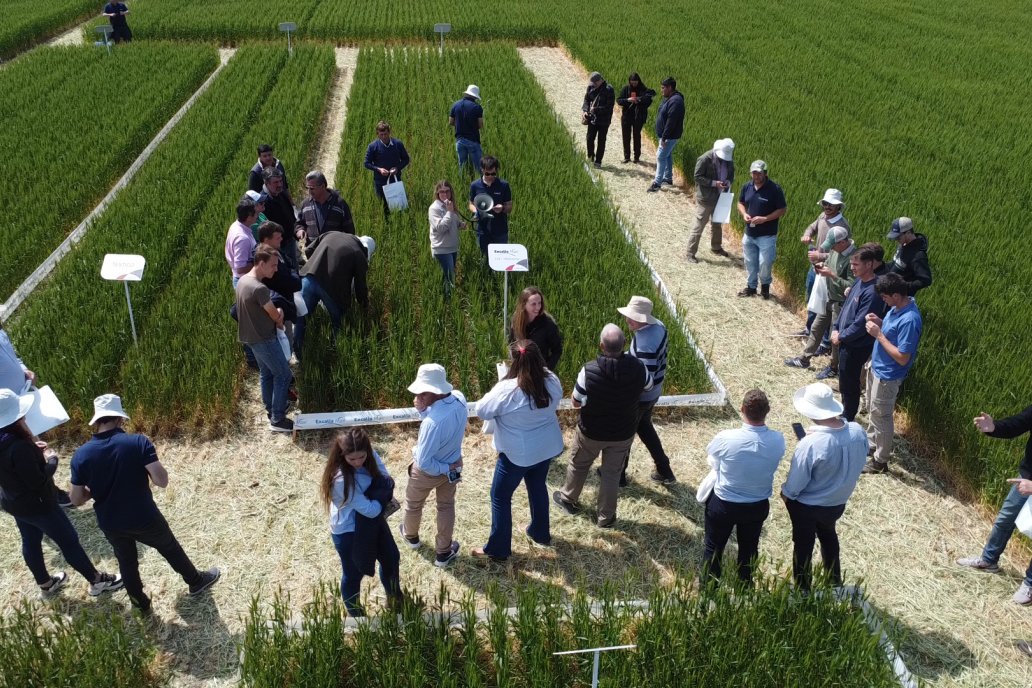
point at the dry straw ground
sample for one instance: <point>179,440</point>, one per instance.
<point>248,502</point>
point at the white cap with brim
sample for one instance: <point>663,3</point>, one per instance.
<point>431,377</point>
<point>758,166</point>
<point>107,406</point>
<point>638,309</point>
<point>13,407</point>
<point>817,402</point>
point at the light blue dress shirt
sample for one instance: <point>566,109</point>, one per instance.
<point>747,459</point>
<point>440,434</point>
<point>12,370</point>
<point>826,465</point>
<point>527,435</point>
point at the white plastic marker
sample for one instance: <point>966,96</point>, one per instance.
<point>598,651</point>
<point>124,268</point>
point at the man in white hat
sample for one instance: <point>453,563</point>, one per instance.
<point>649,345</point>
<point>814,237</point>
<point>825,468</point>
<point>607,393</point>
<point>714,174</point>
<point>115,470</point>
<point>467,117</point>
<point>436,459</point>
<point>761,204</point>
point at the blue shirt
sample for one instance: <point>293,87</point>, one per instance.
<point>747,459</point>
<point>902,327</point>
<point>526,434</point>
<point>388,156</point>
<point>826,465</point>
<point>439,444</point>
<point>649,345</point>
<point>113,466</point>
<point>500,192</point>
<point>467,113</point>
<point>342,513</point>
<point>12,370</point>
<point>762,201</point>
<point>852,320</point>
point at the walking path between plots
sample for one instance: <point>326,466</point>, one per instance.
<point>39,274</point>
<point>901,531</point>
<point>336,113</point>
<point>73,36</point>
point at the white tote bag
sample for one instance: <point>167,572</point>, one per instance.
<point>1024,519</point>
<point>284,343</point>
<point>299,305</point>
<point>722,211</point>
<point>818,302</point>
<point>394,193</point>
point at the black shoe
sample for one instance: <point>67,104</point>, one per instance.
<point>569,507</point>
<point>607,523</point>
<point>690,258</point>
<point>653,187</point>
<point>626,160</point>
<point>282,425</point>
<point>873,467</point>
<point>721,252</point>
<point>445,559</point>
<point>598,166</point>
<point>658,477</point>
<point>668,181</point>
<point>636,158</point>
<point>765,291</point>
<point>208,579</point>
<point>748,291</point>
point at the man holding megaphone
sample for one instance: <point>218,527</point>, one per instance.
<point>490,200</point>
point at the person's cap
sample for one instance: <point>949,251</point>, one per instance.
<point>369,244</point>
<point>595,77</point>
<point>900,226</point>
<point>758,166</point>
<point>832,197</point>
<point>638,309</point>
<point>817,402</point>
<point>472,90</point>
<point>835,235</point>
<point>724,149</point>
<point>13,407</point>
<point>431,378</point>
<point>106,406</point>
<point>256,196</point>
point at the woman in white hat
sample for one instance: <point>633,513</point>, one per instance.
<point>527,437</point>
<point>28,493</point>
<point>825,468</point>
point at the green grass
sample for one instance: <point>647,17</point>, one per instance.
<point>26,22</point>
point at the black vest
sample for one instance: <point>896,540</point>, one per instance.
<point>613,386</point>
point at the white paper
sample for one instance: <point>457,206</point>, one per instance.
<point>1024,519</point>
<point>46,412</point>
<point>300,305</point>
<point>722,213</point>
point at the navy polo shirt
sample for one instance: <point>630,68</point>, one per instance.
<point>112,466</point>
<point>467,113</point>
<point>762,201</point>
<point>500,192</point>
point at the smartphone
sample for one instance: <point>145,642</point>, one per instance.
<point>797,428</point>
<point>454,476</point>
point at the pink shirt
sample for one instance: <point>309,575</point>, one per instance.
<point>240,245</point>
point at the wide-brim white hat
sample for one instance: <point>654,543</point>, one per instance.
<point>472,90</point>
<point>638,309</point>
<point>817,402</point>
<point>832,196</point>
<point>106,406</point>
<point>724,149</point>
<point>13,407</point>
<point>431,377</point>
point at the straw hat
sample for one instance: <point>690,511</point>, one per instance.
<point>431,378</point>
<point>106,406</point>
<point>13,407</point>
<point>638,309</point>
<point>817,402</point>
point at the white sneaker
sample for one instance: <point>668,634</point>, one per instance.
<point>108,582</point>
<point>444,560</point>
<point>1024,594</point>
<point>412,544</point>
<point>56,583</point>
<point>979,564</point>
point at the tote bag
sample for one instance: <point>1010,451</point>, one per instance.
<point>394,194</point>
<point>1024,519</point>
<point>818,302</point>
<point>722,211</point>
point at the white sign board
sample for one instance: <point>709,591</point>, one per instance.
<point>442,28</point>
<point>46,412</point>
<point>508,257</point>
<point>122,267</point>
<point>287,26</point>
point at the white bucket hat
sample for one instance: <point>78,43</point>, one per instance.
<point>832,196</point>
<point>817,402</point>
<point>369,244</point>
<point>106,406</point>
<point>13,407</point>
<point>431,377</point>
<point>472,90</point>
<point>724,149</point>
<point>638,309</point>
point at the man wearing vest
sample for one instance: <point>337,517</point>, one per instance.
<point>607,393</point>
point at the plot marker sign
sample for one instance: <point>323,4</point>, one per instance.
<point>506,258</point>
<point>287,28</point>
<point>124,268</point>
<point>105,30</point>
<point>442,29</point>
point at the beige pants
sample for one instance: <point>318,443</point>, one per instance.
<point>583,454</point>
<point>702,218</point>
<point>881,402</point>
<point>418,489</point>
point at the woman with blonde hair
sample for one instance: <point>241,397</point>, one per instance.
<point>531,321</point>
<point>445,223</point>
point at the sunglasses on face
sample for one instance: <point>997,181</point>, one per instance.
<point>490,174</point>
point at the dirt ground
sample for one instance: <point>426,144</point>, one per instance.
<point>248,502</point>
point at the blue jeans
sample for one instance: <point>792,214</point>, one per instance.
<point>56,526</point>
<point>351,578</point>
<point>665,162</point>
<point>468,150</point>
<point>759,258</point>
<point>507,478</point>
<point>313,293</point>
<point>276,376</point>
<point>1003,528</point>
<point>447,261</point>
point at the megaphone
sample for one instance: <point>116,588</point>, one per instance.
<point>483,203</point>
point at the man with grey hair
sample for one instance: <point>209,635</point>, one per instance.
<point>607,393</point>
<point>279,208</point>
<point>714,174</point>
<point>323,211</point>
<point>597,113</point>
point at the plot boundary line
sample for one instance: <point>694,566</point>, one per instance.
<point>30,283</point>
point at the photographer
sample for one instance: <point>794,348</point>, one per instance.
<point>599,100</point>
<point>634,101</point>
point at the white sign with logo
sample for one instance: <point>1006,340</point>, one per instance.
<point>124,268</point>
<point>508,258</point>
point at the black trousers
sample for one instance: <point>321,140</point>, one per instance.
<point>600,130</point>
<point>631,129</point>
<point>721,518</point>
<point>850,375</point>
<point>811,523</point>
<point>650,438</point>
<point>159,536</point>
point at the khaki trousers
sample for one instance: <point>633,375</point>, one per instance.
<point>881,401</point>
<point>416,491</point>
<point>583,454</point>
<point>702,218</point>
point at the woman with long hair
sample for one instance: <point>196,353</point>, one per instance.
<point>445,223</point>
<point>28,493</point>
<point>356,488</point>
<point>531,321</point>
<point>526,434</point>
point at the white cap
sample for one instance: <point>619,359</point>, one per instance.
<point>817,402</point>
<point>758,166</point>
<point>431,377</point>
<point>106,406</point>
<point>472,90</point>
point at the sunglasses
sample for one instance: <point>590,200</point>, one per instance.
<point>490,174</point>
